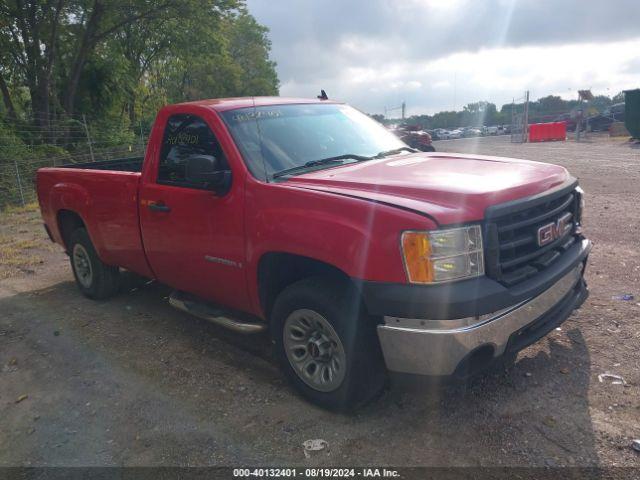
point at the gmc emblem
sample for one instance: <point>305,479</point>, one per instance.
<point>552,231</point>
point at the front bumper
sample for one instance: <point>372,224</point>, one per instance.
<point>459,346</point>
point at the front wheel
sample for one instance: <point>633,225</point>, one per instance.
<point>94,278</point>
<point>327,344</point>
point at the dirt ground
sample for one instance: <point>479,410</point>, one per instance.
<point>133,382</point>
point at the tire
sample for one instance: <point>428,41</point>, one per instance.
<point>336,306</point>
<point>95,279</point>
<point>427,148</point>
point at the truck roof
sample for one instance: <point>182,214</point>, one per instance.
<point>224,104</point>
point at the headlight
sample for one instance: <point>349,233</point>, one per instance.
<point>581,205</point>
<point>443,255</point>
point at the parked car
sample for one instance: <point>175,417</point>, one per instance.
<point>415,137</point>
<point>471,132</point>
<point>441,134</point>
<point>602,122</point>
<point>457,133</point>
<point>492,130</point>
<point>310,220</point>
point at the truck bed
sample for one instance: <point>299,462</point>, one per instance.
<point>127,164</point>
<point>105,197</point>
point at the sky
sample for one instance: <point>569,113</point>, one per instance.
<point>442,54</point>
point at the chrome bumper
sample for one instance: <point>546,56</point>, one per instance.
<point>436,347</point>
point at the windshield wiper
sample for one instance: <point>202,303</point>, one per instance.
<point>323,161</point>
<point>394,151</point>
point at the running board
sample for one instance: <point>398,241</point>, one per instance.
<point>200,309</point>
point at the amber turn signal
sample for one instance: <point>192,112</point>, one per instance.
<point>417,250</point>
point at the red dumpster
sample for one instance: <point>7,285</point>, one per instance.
<point>546,132</point>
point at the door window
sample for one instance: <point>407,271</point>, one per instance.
<point>186,135</point>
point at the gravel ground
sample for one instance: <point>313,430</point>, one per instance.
<point>134,382</point>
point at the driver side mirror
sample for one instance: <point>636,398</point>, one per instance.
<point>209,172</point>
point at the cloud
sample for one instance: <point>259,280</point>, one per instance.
<point>439,54</point>
<point>632,66</point>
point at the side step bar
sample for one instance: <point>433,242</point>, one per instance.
<point>200,309</point>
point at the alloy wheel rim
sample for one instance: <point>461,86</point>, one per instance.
<point>314,350</point>
<point>82,265</point>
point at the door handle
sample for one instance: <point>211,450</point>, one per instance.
<point>158,207</point>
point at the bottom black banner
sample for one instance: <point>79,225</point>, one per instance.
<point>404,473</point>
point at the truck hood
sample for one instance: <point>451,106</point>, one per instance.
<point>450,188</point>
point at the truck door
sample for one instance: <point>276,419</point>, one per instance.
<point>194,239</point>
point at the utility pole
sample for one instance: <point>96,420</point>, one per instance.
<point>86,130</point>
<point>15,163</point>
<point>402,107</point>
<point>525,126</point>
<point>583,96</point>
<point>455,91</point>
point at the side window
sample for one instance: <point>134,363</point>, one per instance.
<point>185,135</point>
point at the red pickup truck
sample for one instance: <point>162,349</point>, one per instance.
<point>361,255</point>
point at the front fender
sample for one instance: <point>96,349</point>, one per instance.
<point>357,236</point>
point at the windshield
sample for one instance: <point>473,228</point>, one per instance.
<point>280,137</point>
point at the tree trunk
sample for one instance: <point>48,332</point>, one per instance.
<point>6,97</point>
<point>131,110</point>
<point>45,113</point>
<point>85,48</point>
<point>49,57</point>
<point>91,36</point>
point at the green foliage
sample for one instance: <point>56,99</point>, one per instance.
<point>545,109</point>
<point>98,57</point>
<point>618,98</point>
<point>83,79</point>
<point>473,114</point>
<point>18,159</point>
<point>249,45</point>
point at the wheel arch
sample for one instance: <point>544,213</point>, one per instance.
<point>278,270</point>
<point>68,221</point>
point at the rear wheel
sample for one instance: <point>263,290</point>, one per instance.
<point>327,344</point>
<point>94,278</point>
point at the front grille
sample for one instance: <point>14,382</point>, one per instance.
<point>513,254</point>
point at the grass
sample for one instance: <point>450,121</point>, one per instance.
<point>29,207</point>
<point>26,244</point>
<point>14,257</point>
<point>22,240</point>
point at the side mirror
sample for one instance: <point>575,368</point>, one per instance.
<point>208,171</point>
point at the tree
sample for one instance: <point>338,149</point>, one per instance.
<point>618,97</point>
<point>65,51</point>
<point>249,46</point>
<point>29,33</point>
<point>478,113</point>
<point>6,72</point>
<point>99,20</point>
<point>550,105</point>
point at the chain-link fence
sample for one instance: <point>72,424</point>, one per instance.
<point>27,146</point>
<point>17,178</point>
<point>520,119</point>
